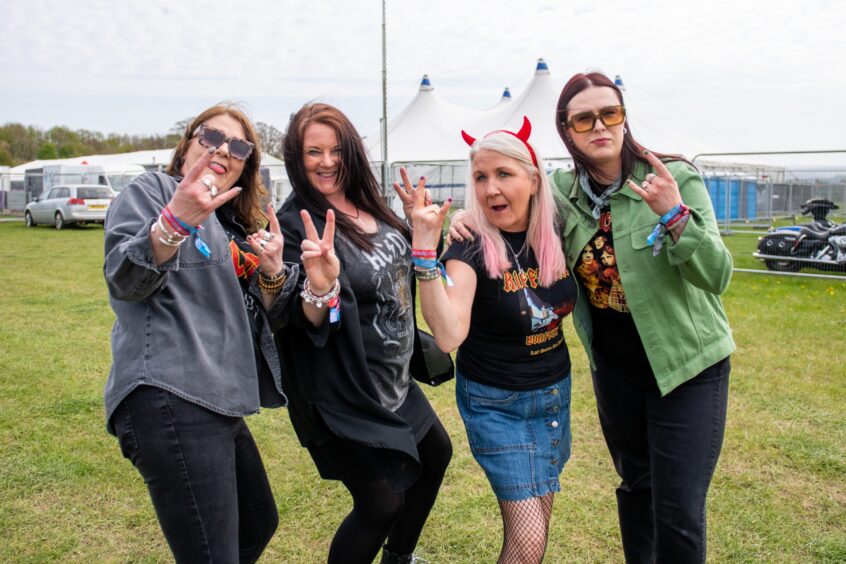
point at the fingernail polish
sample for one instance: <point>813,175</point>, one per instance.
<point>449,200</point>
<point>645,152</point>
<point>211,150</point>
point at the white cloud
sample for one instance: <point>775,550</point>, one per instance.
<point>733,69</point>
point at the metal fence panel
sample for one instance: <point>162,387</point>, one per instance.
<point>762,187</point>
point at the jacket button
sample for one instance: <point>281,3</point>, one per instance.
<point>555,391</point>
<point>554,442</point>
<point>554,424</point>
<point>554,461</point>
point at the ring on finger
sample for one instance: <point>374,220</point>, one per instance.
<point>213,190</point>
<point>207,182</point>
<point>262,243</point>
<point>268,236</point>
<point>650,177</point>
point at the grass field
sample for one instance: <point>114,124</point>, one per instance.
<point>66,493</point>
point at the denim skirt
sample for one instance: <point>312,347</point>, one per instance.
<point>520,438</point>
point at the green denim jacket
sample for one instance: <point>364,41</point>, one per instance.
<point>673,297</point>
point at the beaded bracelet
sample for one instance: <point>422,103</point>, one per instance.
<point>319,301</point>
<point>272,284</point>
<point>426,274</point>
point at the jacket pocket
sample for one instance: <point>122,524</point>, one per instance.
<point>640,235</point>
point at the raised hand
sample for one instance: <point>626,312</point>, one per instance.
<point>193,201</point>
<point>268,244</point>
<point>427,218</point>
<point>407,191</point>
<point>660,192</point>
<point>320,262</point>
<point>458,229</point>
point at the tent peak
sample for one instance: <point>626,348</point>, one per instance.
<point>425,84</point>
<point>542,67</point>
<point>506,94</point>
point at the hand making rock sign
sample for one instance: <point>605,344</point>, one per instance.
<point>268,245</point>
<point>193,201</point>
<point>661,191</point>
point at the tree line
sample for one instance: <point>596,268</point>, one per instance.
<point>21,143</point>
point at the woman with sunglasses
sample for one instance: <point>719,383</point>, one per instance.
<point>502,308</point>
<point>348,348</point>
<point>195,278</point>
<point>651,265</point>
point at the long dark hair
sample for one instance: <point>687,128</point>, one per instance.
<point>249,204</point>
<point>632,150</point>
<point>354,176</point>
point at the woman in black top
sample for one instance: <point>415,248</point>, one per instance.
<point>506,296</point>
<point>347,348</point>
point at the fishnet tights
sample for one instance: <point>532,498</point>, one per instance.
<point>525,525</point>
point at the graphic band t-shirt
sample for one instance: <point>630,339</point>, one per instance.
<point>380,281</point>
<point>515,341</point>
<point>616,344</point>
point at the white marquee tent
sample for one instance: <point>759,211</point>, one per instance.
<point>428,129</point>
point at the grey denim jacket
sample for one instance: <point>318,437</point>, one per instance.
<point>181,326</point>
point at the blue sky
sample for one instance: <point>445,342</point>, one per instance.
<point>741,75</point>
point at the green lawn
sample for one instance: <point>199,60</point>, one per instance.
<point>66,494</point>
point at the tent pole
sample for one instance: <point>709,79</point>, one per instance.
<point>384,120</point>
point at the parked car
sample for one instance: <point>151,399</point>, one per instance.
<point>73,203</point>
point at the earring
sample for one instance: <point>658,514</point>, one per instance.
<point>625,130</point>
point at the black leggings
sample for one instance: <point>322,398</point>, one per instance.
<point>380,513</point>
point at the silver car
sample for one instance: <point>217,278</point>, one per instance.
<point>74,203</point>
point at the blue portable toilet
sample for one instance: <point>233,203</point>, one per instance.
<point>721,189</point>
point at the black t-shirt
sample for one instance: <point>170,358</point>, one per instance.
<point>380,281</point>
<point>515,340</point>
<point>616,344</point>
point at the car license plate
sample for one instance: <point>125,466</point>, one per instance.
<point>97,207</point>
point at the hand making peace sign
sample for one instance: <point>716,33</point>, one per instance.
<point>660,192</point>
<point>320,262</point>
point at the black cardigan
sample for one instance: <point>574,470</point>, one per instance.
<point>330,392</point>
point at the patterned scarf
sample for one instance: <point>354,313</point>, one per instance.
<point>600,201</point>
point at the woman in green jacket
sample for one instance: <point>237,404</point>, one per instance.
<point>640,235</point>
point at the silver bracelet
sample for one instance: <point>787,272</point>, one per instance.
<point>173,239</point>
<point>170,241</point>
<point>319,301</point>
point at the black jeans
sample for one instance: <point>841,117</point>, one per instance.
<point>665,450</point>
<point>204,474</point>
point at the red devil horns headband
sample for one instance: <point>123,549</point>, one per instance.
<point>522,135</point>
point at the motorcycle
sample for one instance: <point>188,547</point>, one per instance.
<point>820,244</point>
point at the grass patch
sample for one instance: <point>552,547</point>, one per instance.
<point>67,494</point>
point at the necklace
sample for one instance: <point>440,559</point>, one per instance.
<point>356,217</point>
<point>523,248</point>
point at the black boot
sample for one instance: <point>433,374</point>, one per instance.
<point>389,557</point>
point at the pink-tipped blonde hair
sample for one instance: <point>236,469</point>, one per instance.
<point>542,233</point>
